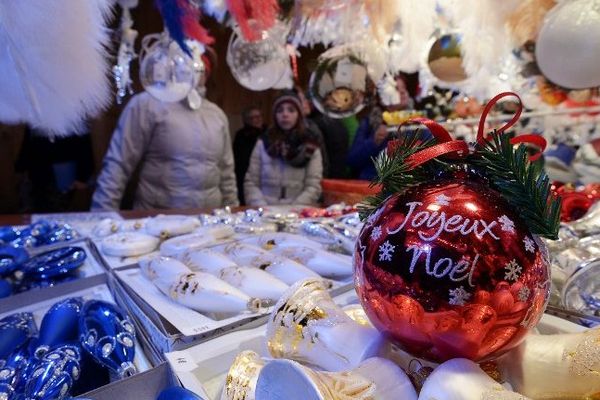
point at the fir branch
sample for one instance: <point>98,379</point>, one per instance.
<point>522,183</point>
<point>394,173</point>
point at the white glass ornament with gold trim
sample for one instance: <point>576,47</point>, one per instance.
<point>374,379</point>
<point>284,269</point>
<point>240,383</point>
<point>307,326</point>
<point>561,366</point>
<point>462,379</point>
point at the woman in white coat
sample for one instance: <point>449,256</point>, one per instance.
<point>184,155</point>
<point>286,164</point>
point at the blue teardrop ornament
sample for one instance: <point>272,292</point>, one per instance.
<point>109,336</point>
<point>178,393</point>
<point>15,330</point>
<point>54,374</point>
<point>54,263</point>
<point>11,258</point>
<point>60,325</point>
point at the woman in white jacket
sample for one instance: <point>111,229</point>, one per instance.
<point>184,155</point>
<point>286,164</point>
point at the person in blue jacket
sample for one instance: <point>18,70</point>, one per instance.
<point>371,137</point>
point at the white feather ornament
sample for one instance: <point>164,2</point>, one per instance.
<point>485,41</point>
<point>53,63</point>
<point>418,24</point>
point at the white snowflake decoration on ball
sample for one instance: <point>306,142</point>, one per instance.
<point>459,296</point>
<point>529,244</point>
<point>376,233</point>
<point>512,271</point>
<point>506,224</point>
<point>386,251</point>
<point>523,294</point>
<point>442,200</point>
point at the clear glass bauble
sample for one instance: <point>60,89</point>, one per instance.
<point>258,65</point>
<point>167,73</point>
<point>340,86</point>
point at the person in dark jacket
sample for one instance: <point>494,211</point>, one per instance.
<point>336,139</point>
<point>244,142</point>
<point>57,172</point>
<point>371,137</point>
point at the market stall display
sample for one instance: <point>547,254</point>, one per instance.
<point>469,268</point>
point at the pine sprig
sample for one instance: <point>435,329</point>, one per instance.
<point>522,183</point>
<point>394,174</point>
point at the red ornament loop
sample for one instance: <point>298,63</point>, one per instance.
<point>448,145</point>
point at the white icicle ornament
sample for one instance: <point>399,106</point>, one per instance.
<point>206,293</point>
<point>282,268</point>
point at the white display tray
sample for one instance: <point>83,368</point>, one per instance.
<point>99,292</point>
<point>203,368</point>
<point>184,319</point>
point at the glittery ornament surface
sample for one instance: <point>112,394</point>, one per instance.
<point>446,271</point>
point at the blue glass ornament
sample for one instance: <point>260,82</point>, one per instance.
<point>7,392</point>
<point>6,288</point>
<point>15,330</point>
<point>54,374</point>
<point>14,371</point>
<point>109,336</point>
<point>60,326</point>
<point>178,393</point>
<point>8,234</point>
<point>11,258</point>
<point>54,263</point>
<point>39,229</point>
<point>61,233</point>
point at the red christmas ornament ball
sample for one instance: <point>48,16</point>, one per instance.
<point>448,269</point>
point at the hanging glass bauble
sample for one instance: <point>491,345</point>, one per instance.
<point>166,72</point>
<point>258,65</point>
<point>566,51</point>
<point>340,85</point>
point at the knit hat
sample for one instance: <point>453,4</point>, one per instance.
<point>287,96</point>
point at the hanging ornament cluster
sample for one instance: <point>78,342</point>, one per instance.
<point>181,18</point>
<point>254,17</point>
<point>449,263</point>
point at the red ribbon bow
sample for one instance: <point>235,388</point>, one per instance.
<point>447,144</point>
